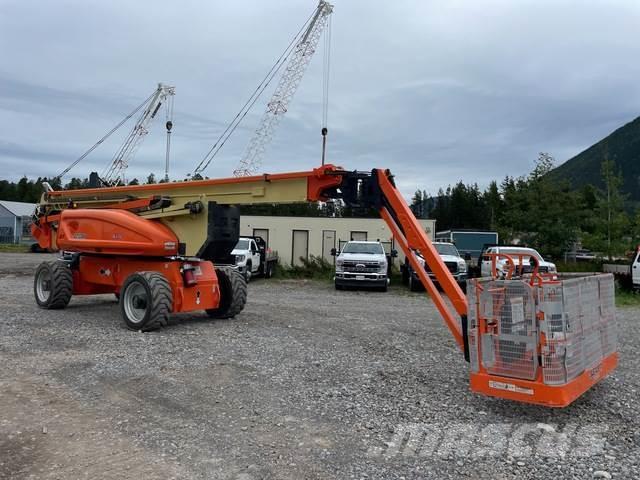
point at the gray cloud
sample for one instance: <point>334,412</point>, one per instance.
<point>437,91</point>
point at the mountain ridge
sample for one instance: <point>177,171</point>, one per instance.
<point>622,146</point>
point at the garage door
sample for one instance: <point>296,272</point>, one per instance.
<point>328,243</point>
<point>300,246</point>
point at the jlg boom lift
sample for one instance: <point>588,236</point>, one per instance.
<point>163,248</point>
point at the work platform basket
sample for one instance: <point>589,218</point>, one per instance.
<point>544,341</point>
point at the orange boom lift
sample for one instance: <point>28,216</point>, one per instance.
<point>165,248</point>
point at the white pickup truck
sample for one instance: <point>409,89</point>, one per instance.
<point>451,258</point>
<point>515,253</point>
<point>362,264</point>
<point>252,257</point>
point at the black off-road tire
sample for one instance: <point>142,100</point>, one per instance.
<point>57,278</point>
<point>233,293</point>
<point>158,301</point>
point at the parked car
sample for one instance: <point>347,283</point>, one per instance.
<point>252,257</point>
<point>449,255</point>
<point>362,264</point>
<point>517,254</point>
<point>584,255</point>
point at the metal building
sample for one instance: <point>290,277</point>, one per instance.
<point>15,220</point>
<point>295,237</point>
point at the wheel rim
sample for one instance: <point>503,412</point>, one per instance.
<point>43,285</point>
<point>135,302</point>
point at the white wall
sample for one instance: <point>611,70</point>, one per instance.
<point>281,231</point>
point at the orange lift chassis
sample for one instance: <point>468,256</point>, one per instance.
<point>165,248</point>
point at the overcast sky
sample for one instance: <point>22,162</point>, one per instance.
<point>438,91</point>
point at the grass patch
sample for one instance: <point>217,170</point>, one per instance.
<point>14,248</point>
<point>579,266</point>
<point>317,268</point>
<point>627,298</point>
<point>313,268</point>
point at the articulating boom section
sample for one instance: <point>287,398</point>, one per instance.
<point>376,190</point>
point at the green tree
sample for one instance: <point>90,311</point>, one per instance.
<point>611,232</point>
<point>494,204</point>
<point>417,204</point>
<point>74,184</point>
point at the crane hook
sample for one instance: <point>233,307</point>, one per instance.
<point>324,132</point>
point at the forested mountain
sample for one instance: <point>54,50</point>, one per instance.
<point>622,147</point>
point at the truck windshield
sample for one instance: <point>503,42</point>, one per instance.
<point>446,249</point>
<point>367,248</point>
<point>243,244</point>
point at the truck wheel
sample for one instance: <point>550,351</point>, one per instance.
<point>383,288</point>
<point>339,287</point>
<point>414,285</point>
<point>247,272</point>
<point>145,301</point>
<point>233,293</point>
<point>53,285</point>
<point>271,268</point>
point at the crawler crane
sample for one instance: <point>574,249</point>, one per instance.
<point>164,248</point>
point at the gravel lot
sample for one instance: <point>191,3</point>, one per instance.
<point>306,383</point>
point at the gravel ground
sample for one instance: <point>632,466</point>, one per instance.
<point>306,383</point>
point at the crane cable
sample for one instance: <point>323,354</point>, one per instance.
<point>122,122</point>
<point>169,126</point>
<point>325,88</point>
<point>325,73</point>
<point>222,139</point>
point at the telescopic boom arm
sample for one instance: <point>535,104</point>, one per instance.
<point>182,206</point>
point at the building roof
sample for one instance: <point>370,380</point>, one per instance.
<point>19,209</point>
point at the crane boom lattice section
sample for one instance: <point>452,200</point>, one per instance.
<point>114,173</point>
<point>287,86</point>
